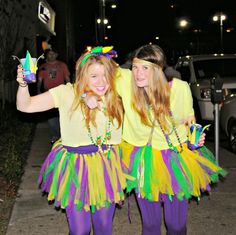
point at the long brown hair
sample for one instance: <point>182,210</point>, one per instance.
<point>157,95</point>
<point>112,100</point>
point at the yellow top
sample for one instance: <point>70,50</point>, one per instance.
<point>74,132</point>
<point>136,133</point>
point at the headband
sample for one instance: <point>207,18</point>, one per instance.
<point>145,62</point>
<point>100,51</point>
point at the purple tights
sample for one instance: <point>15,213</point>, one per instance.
<point>175,214</point>
<point>80,221</point>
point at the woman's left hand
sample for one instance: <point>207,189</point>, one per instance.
<point>201,140</point>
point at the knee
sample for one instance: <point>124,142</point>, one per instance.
<point>175,229</point>
<point>103,227</point>
<point>149,225</point>
<point>79,231</point>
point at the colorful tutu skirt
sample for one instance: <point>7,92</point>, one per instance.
<point>158,173</point>
<point>82,177</point>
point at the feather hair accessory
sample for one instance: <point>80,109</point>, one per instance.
<point>97,51</point>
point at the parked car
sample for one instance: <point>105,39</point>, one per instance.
<point>228,120</point>
<point>198,70</point>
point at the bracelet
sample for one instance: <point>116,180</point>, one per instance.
<point>23,84</point>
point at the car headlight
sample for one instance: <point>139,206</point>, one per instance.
<point>205,93</point>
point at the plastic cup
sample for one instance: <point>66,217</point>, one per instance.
<point>195,132</point>
<point>29,76</point>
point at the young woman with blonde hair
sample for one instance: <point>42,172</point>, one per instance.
<point>82,173</point>
<point>158,113</point>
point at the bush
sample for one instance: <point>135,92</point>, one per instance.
<point>16,135</point>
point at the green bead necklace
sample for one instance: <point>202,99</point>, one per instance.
<point>99,141</point>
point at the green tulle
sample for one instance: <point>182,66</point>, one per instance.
<point>147,155</point>
<point>52,165</point>
<point>179,176</point>
<point>64,200</point>
<point>79,205</point>
<point>185,167</point>
<point>207,154</point>
<point>210,156</point>
<point>73,171</point>
<point>134,173</point>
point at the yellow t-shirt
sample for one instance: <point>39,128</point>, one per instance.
<point>136,133</point>
<point>74,132</point>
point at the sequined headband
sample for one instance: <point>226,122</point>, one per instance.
<point>96,51</point>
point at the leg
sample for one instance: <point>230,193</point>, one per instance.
<point>54,127</point>
<point>79,221</point>
<point>102,220</point>
<point>176,216</point>
<point>151,216</point>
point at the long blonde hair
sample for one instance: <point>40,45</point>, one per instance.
<point>112,100</point>
<point>157,95</point>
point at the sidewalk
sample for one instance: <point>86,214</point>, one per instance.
<point>31,215</point>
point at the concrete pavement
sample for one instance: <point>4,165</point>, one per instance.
<point>31,215</point>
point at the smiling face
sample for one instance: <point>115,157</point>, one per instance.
<point>141,74</point>
<point>97,81</point>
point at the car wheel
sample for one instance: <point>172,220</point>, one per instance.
<point>232,137</point>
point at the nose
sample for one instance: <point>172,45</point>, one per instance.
<point>102,81</point>
<point>139,71</point>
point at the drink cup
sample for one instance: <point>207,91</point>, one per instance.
<point>195,132</point>
<point>29,75</point>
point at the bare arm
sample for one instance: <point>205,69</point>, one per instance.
<point>28,104</point>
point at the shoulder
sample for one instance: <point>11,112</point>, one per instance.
<point>124,73</point>
<point>177,83</point>
<point>61,63</point>
<point>63,88</point>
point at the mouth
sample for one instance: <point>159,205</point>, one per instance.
<point>101,88</point>
<point>140,80</point>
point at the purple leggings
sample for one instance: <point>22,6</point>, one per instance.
<point>175,215</point>
<point>80,221</point>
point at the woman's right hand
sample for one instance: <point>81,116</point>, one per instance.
<point>20,77</point>
<point>91,101</point>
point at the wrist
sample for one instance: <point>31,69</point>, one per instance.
<point>23,84</point>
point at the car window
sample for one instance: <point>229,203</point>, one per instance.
<point>208,68</point>
<point>185,72</point>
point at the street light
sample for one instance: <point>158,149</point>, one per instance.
<point>100,23</point>
<point>220,17</point>
<point>183,23</point>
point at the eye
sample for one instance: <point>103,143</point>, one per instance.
<point>93,76</point>
<point>145,67</point>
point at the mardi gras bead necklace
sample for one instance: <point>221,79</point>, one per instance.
<point>173,129</point>
<point>99,141</point>
<point>170,145</point>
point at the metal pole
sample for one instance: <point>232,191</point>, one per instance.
<point>217,133</point>
<point>221,33</point>
<point>103,18</point>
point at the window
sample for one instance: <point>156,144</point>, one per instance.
<point>185,72</point>
<point>208,68</point>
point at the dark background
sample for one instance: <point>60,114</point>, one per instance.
<point>138,22</point>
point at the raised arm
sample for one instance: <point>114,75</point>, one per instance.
<point>28,104</point>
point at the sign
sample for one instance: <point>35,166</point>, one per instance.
<point>47,16</point>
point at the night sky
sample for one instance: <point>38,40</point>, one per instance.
<point>135,23</point>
